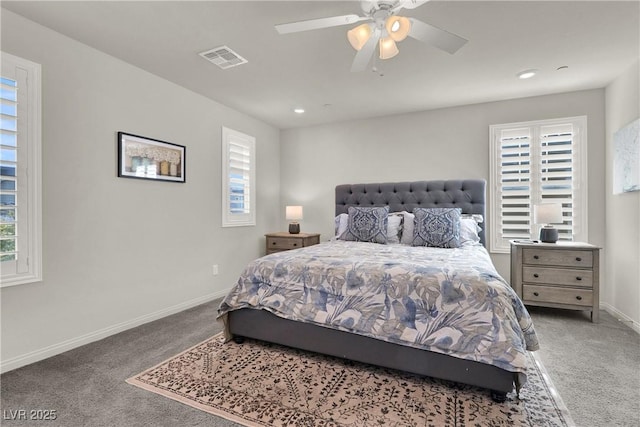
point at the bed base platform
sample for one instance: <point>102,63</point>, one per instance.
<point>265,326</point>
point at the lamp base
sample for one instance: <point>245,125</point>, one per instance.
<point>548,234</point>
<point>294,228</point>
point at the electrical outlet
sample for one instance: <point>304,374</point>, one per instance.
<point>215,269</point>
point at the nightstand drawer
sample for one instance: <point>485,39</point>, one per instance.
<point>564,258</point>
<point>558,276</point>
<point>556,295</point>
<point>283,243</point>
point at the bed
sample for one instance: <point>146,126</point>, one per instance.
<point>440,312</point>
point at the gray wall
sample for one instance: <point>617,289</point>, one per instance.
<point>437,144</point>
<point>118,252</point>
<point>621,290</point>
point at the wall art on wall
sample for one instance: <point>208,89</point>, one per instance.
<point>146,158</point>
<point>626,158</point>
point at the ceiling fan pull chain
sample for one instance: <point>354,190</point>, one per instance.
<point>375,68</point>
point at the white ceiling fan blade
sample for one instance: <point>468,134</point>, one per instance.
<point>412,4</point>
<point>315,24</point>
<point>364,55</point>
<point>442,39</point>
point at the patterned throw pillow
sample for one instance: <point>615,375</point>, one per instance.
<point>367,225</point>
<point>437,227</point>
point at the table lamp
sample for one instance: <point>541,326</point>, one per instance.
<point>547,214</point>
<point>294,214</point>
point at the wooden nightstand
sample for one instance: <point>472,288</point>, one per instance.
<point>560,275</point>
<point>283,241</point>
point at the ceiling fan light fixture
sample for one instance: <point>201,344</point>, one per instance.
<point>384,28</point>
<point>398,27</point>
<point>388,48</point>
<point>359,35</point>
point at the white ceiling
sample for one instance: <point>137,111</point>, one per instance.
<point>596,40</point>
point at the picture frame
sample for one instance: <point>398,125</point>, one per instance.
<point>626,158</point>
<point>140,157</point>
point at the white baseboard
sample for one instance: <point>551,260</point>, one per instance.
<point>620,316</point>
<point>54,349</point>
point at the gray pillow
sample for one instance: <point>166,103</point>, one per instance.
<point>367,225</point>
<point>437,227</point>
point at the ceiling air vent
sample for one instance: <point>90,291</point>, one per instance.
<point>223,57</point>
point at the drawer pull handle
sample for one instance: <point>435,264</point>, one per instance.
<point>578,278</point>
<point>273,243</point>
<point>535,275</point>
<point>578,259</point>
<point>536,294</point>
<point>579,298</point>
<point>295,244</point>
<point>536,257</point>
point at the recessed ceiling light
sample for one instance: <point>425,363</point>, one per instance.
<point>527,74</point>
<point>298,110</point>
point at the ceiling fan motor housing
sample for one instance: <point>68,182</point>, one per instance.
<point>373,8</point>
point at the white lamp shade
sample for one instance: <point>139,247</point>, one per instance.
<point>547,213</point>
<point>294,213</point>
<point>388,48</point>
<point>359,35</point>
<point>398,27</point>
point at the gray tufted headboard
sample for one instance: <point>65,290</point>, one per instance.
<point>469,195</point>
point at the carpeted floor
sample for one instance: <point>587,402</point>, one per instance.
<point>595,367</point>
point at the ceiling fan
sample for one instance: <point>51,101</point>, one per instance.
<point>385,29</point>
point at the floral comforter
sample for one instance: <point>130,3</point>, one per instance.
<point>449,301</point>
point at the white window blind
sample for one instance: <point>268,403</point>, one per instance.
<point>533,163</point>
<point>9,170</point>
<point>238,180</point>
<point>20,198</point>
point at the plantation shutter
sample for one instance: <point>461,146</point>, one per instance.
<point>533,163</point>
<point>20,179</point>
<point>9,172</point>
<point>239,178</point>
<point>515,183</point>
<point>557,173</point>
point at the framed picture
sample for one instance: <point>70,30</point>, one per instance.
<point>146,158</point>
<point>626,158</point>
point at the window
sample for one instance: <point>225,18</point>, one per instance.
<point>20,193</point>
<point>532,163</point>
<point>238,178</point>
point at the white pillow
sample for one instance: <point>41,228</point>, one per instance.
<point>341,223</point>
<point>394,221</point>
<point>476,217</point>
<point>407,228</point>
<point>469,229</point>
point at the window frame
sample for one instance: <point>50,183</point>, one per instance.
<point>29,183</point>
<point>229,218</point>
<point>499,244</point>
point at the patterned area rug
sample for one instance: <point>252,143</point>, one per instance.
<point>260,384</point>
